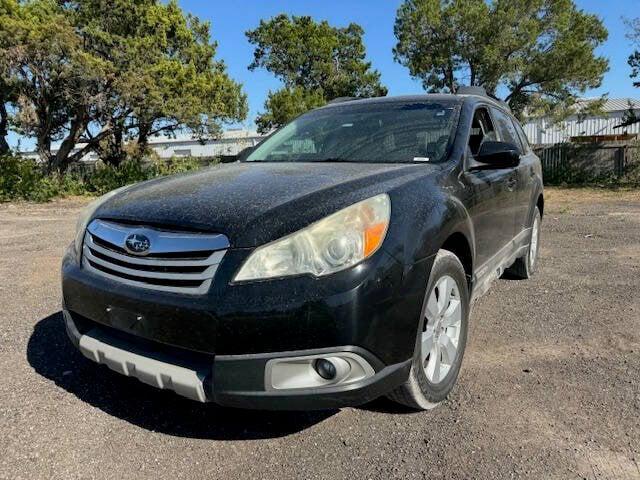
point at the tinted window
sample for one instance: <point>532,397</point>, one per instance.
<point>505,128</point>
<point>523,136</point>
<point>384,132</point>
<point>481,130</point>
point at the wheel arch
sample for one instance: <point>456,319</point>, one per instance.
<point>458,244</point>
<point>540,203</point>
<point>457,235</point>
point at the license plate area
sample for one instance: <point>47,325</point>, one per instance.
<point>125,320</point>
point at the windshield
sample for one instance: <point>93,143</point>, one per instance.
<point>380,132</point>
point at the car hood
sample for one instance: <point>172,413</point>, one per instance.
<point>255,203</point>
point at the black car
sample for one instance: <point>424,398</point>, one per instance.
<point>335,263</point>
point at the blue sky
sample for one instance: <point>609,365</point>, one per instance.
<point>230,19</point>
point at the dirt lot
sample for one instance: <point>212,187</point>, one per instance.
<point>550,385</point>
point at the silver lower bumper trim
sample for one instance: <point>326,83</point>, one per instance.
<point>105,350</point>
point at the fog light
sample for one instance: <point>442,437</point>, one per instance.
<point>325,368</point>
<point>316,371</point>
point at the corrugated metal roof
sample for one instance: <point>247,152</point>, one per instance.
<point>543,131</point>
<point>614,104</point>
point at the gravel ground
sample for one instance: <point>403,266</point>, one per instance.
<point>549,388</point>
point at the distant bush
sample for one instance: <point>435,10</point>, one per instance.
<point>24,179</point>
<point>106,177</point>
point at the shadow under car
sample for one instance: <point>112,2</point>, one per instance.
<point>51,354</point>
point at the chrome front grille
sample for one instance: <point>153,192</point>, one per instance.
<point>179,262</point>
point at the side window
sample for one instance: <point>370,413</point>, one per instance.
<point>506,129</point>
<point>523,137</point>
<point>481,130</point>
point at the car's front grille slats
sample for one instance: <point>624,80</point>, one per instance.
<point>215,257</point>
<point>105,253</point>
<point>149,267</point>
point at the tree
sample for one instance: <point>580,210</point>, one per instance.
<point>539,54</point>
<point>167,77</point>
<point>52,78</point>
<point>6,96</point>
<point>314,60</point>
<point>7,90</point>
<point>95,74</point>
<point>287,103</point>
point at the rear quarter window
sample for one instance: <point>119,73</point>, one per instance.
<point>523,136</point>
<point>506,129</point>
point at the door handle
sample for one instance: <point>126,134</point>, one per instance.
<point>511,183</point>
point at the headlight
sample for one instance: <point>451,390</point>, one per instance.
<point>87,213</point>
<point>334,243</point>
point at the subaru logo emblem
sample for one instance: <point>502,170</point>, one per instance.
<point>137,243</point>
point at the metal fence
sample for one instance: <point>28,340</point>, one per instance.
<point>587,163</point>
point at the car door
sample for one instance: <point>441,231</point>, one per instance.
<point>526,174</point>
<point>490,193</point>
<point>521,182</point>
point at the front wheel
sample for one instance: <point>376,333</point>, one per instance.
<point>442,336</point>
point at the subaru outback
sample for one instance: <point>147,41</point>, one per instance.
<point>335,263</point>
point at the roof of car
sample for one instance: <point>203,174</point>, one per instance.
<point>418,98</point>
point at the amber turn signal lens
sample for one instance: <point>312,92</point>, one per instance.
<point>373,237</point>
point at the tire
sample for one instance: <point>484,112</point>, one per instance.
<point>525,266</point>
<point>421,391</point>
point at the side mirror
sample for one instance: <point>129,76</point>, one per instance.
<point>497,155</point>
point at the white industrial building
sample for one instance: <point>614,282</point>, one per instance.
<point>230,143</point>
<point>541,131</point>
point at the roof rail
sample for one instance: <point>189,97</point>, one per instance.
<point>472,90</point>
<point>341,99</point>
<point>477,90</point>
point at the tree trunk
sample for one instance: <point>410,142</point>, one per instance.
<point>4,131</point>
<point>43,146</point>
<point>114,153</point>
<point>450,78</point>
<point>143,138</point>
<point>62,158</point>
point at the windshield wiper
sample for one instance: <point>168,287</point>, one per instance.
<point>332,160</point>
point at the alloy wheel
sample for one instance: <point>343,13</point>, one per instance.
<point>441,333</point>
<point>533,249</point>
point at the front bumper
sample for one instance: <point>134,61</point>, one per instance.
<point>216,347</point>
<point>235,381</point>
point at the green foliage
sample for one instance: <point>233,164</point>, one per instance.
<point>109,72</point>
<point>540,52</point>
<point>109,177</point>
<point>51,78</point>
<point>167,76</point>
<point>634,62</point>
<point>304,53</point>
<point>286,104</point>
<point>24,179</point>
<point>314,60</point>
<point>634,58</point>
